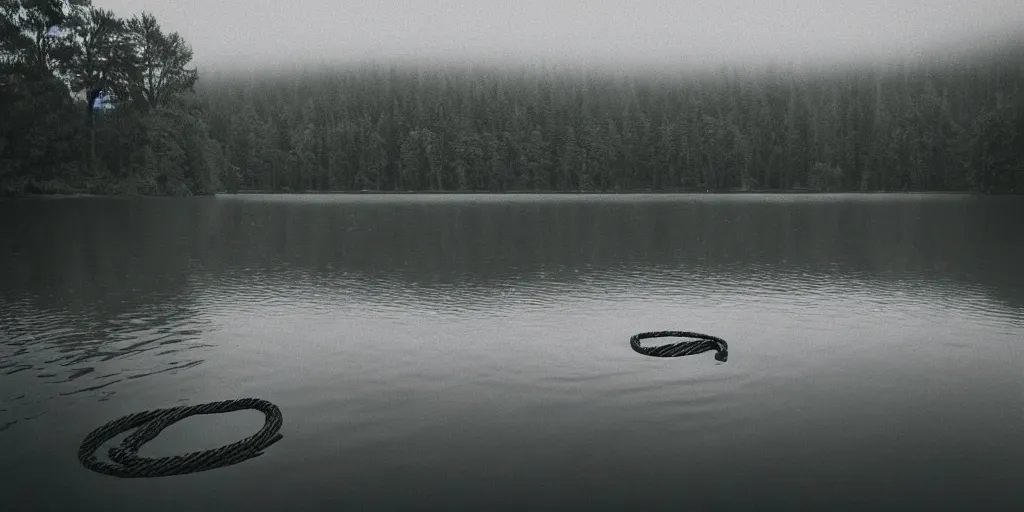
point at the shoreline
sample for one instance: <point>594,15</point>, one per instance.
<point>595,192</point>
<point>511,193</point>
<point>518,193</point>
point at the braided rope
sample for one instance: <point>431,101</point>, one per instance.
<point>703,344</point>
<point>149,424</point>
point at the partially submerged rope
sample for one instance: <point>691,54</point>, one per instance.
<point>149,424</point>
<point>703,343</point>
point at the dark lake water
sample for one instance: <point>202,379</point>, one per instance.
<point>472,352</point>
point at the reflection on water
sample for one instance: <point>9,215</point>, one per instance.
<point>458,344</point>
<point>96,294</point>
<point>82,355</point>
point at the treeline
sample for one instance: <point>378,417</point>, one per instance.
<point>951,126</point>
<point>920,126</point>
<point>149,137</point>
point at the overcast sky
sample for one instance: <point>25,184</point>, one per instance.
<point>696,31</point>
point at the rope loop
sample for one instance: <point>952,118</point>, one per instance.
<point>149,424</point>
<point>703,343</point>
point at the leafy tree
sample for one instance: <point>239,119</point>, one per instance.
<point>162,60</point>
<point>55,55</point>
<point>101,54</point>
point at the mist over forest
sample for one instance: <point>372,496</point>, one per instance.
<point>950,120</point>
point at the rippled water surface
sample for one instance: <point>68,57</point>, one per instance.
<point>471,352</point>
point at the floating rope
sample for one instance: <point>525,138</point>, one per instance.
<point>703,344</point>
<point>149,424</point>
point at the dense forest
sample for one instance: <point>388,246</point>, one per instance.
<point>146,135</point>
<point>950,125</point>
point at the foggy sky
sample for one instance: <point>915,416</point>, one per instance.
<point>681,32</point>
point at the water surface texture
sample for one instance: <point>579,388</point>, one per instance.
<point>472,352</point>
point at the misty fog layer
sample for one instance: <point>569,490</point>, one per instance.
<point>398,129</point>
<point>617,32</point>
<point>940,120</point>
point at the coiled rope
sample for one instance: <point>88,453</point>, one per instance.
<point>149,424</point>
<point>703,343</point>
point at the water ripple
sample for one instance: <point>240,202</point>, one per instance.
<point>390,295</point>
<point>74,355</point>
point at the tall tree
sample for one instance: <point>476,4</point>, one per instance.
<point>162,60</point>
<point>101,54</point>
